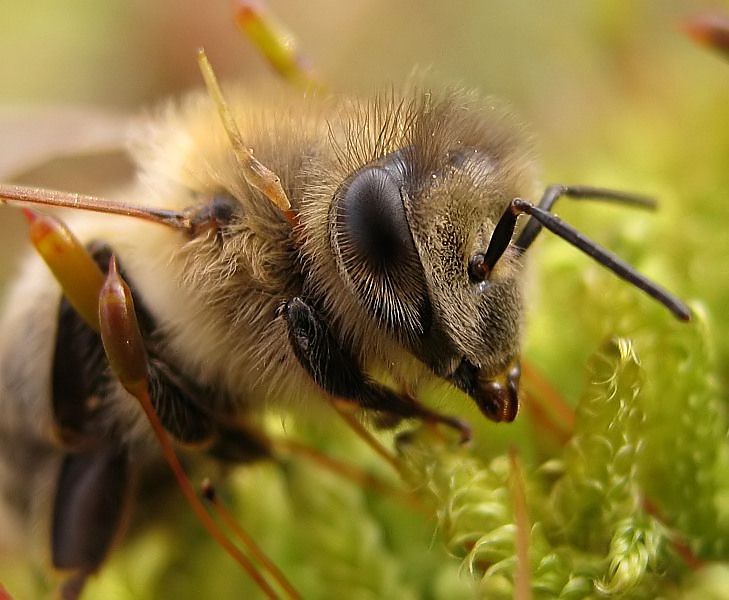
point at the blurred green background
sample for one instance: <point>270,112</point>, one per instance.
<point>614,92</point>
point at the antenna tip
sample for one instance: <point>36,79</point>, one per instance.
<point>684,314</point>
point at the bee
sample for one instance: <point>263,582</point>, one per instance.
<point>393,247</point>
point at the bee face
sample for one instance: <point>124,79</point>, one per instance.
<point>404,224</point>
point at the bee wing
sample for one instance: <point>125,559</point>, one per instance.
<point>31,138</point>
<point>56,147</point>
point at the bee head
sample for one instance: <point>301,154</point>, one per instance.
<point>407,225</point>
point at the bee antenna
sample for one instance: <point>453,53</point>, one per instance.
<point>482,264</point>
<point>597,252</point>
<point>578,192</point>
<point>500,239</point>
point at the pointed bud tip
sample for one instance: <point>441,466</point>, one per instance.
<point>30,214</point>
<point>120,332</point>
<point>711,29</point>
<point>113,267</point>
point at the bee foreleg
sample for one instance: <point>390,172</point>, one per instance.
<point>239,443</point>
<point>88,512</point>
<point>338,373</point>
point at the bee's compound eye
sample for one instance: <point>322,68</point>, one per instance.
<point>371,223</point>
<point>375,251</point>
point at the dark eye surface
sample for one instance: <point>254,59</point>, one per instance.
<point>371,219</point>
<point>374,247</point>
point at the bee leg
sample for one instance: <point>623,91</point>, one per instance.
<point>92,497</point>
<point>337,371</point>
<point>178,402</point>
<point>79,374</point>
<point>239,444</point>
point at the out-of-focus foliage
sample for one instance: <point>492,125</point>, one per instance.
<point>636,503</point>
